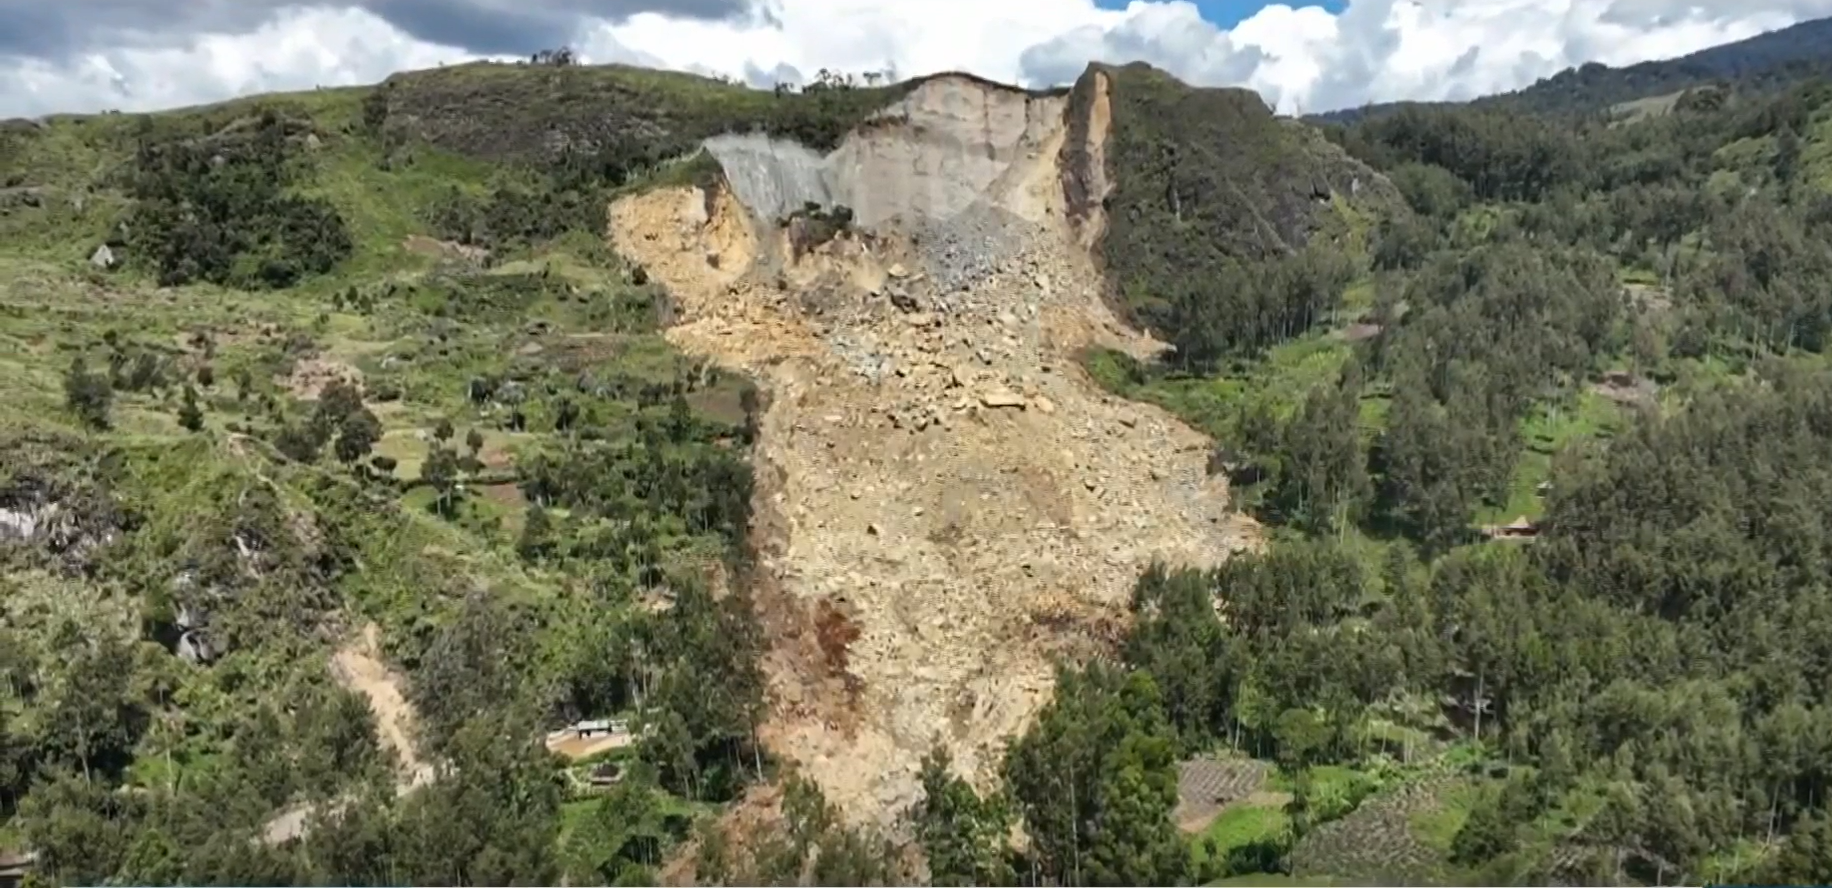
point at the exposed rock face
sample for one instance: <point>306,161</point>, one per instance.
<point>926,158</point>
<point>945,502</point>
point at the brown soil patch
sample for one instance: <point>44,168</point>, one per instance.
<point>582,747</point>
<point>1206,787</point>
<point>311,375</point>
<point>509,495</point>
<point>440,249</point>
<point>1626,388</point>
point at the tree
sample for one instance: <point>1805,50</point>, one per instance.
<point>962,835</point>
<point>443,432</point>
<point>300,442</point>
<point>190,416</point>
<point>497,825</point>
<point>622,842</point>
<point>1096,780</point>
<point>1787,155</point>
<point>1323,477</point>
<point>1177,638</point>
<point>537,534</point>
<point>565,414</point>
<point>706,693</point>
<point>337,402</point>
<point>1805,858</point>
<point>474,440</point>
<point>361,430</point>
<point>92,720</point>
<point>1487,834</point>
<point>87,394</point>
<point>441,471</point>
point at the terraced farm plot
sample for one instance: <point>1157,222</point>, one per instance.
<point>1206,786</point>
<point>1378,842</point>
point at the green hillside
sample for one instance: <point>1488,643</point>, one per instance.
<point>1616,332</point>
<point>1768,62</point>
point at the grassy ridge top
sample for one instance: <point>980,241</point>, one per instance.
<point>527,113</point>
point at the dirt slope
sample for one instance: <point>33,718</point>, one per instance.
<point>359,667</point>
<point>945,502</point>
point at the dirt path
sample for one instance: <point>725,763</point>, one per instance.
<point>358,667</point>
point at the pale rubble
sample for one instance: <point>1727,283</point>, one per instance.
<point>948,476</point>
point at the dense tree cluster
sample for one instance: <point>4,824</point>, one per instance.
<point>1241,308</point>
<point>1742,243</point>
<point>515,215</point>
<point>1658,640</point>
<point>216,205</point>
<point>1226,230</point>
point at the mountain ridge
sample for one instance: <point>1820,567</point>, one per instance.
<point>1781,57</point>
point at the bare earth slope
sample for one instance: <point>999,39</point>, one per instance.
<point>945,502</point>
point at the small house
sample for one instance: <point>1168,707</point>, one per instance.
<point>1519,529</point>
<point>15,866</point>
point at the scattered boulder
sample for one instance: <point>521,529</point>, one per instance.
<point>1001,398</point>
<point>195,648</point>
<point>103,257</point>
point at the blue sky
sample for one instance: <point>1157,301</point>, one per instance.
<point>1227,13</point>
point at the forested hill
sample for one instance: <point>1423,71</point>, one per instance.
<point>1543,597</point>
<point>1772,60</point>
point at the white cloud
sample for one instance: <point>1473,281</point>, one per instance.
<point>1303,58</point>
<point>298,48</point>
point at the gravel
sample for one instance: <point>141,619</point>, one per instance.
<point>964,249</point>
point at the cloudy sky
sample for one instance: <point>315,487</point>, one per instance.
<point>89,55</point>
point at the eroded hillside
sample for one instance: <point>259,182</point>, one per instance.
<point>946,503</point>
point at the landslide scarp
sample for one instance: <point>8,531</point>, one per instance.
<point>946,503</point>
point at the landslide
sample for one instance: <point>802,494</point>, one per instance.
<point>946,503</point>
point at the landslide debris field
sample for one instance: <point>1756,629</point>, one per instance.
<point>946,501</point>
<point>554,474</point>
